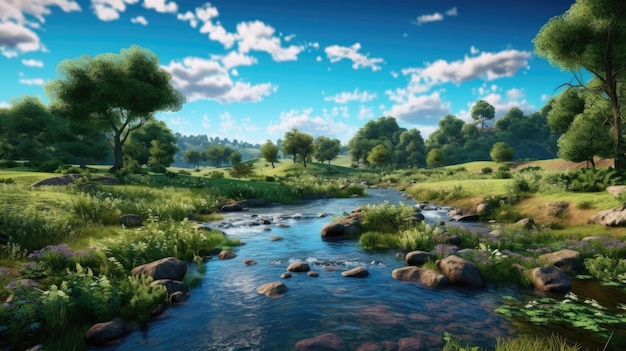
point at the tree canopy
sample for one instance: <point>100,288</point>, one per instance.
<point>115,93</point>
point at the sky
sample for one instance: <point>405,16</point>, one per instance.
<point>252,70</point>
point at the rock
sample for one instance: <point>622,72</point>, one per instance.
<point>22,283</point>
<point>131,220</point>
<point>274,289</point>
<point>249,262</point>
<point>226,255</point>
<point>333,230</point>
<point>551,279</point>
<point>410,344</point>
<point>447,238</point>
<point>467,218</point>
<point>418,258</point>
<point>275,238</point>
<point>481,208</point>
<point>358,272</point>
<point>556,209</point>
<point>427,277</point>
<point>461,271</point>
<point>171,285</point>
<point>615,217</point>
<point>179,297</point>
<point>569,261</point>
<point>324,342</point>
<point>299,267</point>
<point>231,208</point>
<point>165,268</point>
<point>313,274</point>
<point>60,180</point>
<point>616,190</point>
<point>285,275</point>
<point>526,223</point>
<point>252,203</point>
<point>102,333</point>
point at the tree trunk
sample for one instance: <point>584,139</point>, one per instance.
<point>272,164</point>
<point>117,153</point>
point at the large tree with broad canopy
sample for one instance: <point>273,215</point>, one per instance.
<point>116,93</point>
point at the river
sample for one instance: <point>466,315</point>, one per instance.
<point>225,312</point>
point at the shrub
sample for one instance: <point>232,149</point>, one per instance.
<point>50,165</point>
<point>378,241</point>
<point>183,172</point>
<point>487,170</point>
<point>386,218</point>
<point>216,174</point>
<point>422,237</point>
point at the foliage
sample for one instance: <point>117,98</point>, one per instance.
<point>269,151</point>
<point>241,170</point>
<point>481,111</point>
<point>535,343</point>
<point>435,158</point>
<point>421,237</point>
<point>379,156</point>
<point>326,149</point>
<point>386,218</point>
<point>141,298</point>
<point>502,152</point>
<point>586,137</point>
<point>587,315</point>
<point>611,271</point>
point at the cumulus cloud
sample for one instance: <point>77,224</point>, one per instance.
<point>139,20</point>
<point>347,96</point>
<point>161,6</point>
<point>365,112</point>
<point>452,12</point>
<point>337,53</point>
<point>487,65</point>
<point>418,109</point>
<point>32,81</point>
<point>203,79</point>
<point>305,121</point>
<point>249,36</point>
<point>18,18</point>
<point>32,63</point>
<point>435,17</point>
<point>109,10</point>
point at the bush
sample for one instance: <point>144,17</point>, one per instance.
<point>8,164</point>
<point>378,241</point>
<point>184,172</point>
<point>216,174</point>
<point>50,165</point>
<point>487,170</point>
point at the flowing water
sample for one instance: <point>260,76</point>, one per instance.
<point>226,313</point>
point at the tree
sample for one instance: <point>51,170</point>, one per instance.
<point>289,146</point>
<point>326,149</point>
<point>193,157</point>
<point>591,35</point>
<point>482,111</point>
<point>502,152</point>
<point>235,157</point>
<point>117,94</point>
<point>141,140</point>
<point>435,158</point>
<point>587,137</point>
<point>383,131</point>
<point>298,144</point>
<point>240,170</point>
<point>269,151</point>
<point>411,151</point>
<point>379,156</point>
<point>160,157</point>
<point>218,154</point>
<point>565,108</point>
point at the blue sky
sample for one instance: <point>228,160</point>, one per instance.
<point>252,70</point>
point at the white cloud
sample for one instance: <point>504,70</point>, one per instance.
<point>488,66</point>
<point>515,94</point>
<point>161,6</point>
<point>203,79</point>
<point>474,50</point>
<point>32,81</point>
<point>109,10</point>
<point>365,113</point>
<point>318,59</point>
<point>4,104</point>
<point>15,38</point>
<point>419,109</point>
<point>306,122</point>
<point>435,17</point>
<point>206,122</point>
<point>337,53</point>
<point>236,59</point>
<point>188,17</point>
<point>32,63</point>
<point>452,12</point>
<point>346,96</point>
<point>259,36</point>
<point>140,20</point>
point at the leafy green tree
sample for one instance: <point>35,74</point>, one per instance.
<point>591,35</point>
<point>565,108</point>
<point>117,94</point>
<point>269,151</point>
<point>240,170</point>
<point>304,146</point>
<point>141,140</point>
<point>160,157</point>
<point>482,111</point>
<point>193,157</point>
<point>235,157</point>
<point>411,151</point>
<point>379,156</point>
<point>587,137</point>
<point>289,145</point>
<point>502,152</point>
<point>218,154</point>
<point>383,131</point>
<point>326,149</point>
<point>435,158</point>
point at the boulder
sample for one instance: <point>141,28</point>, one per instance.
<point>165,268</point>
<point>551,279</point>
<point>482,208</point>
<point>171,285</point>
<point>249,262</point>
<point>312,274</point>
<point>358,272</point>
<point>615,217</point>
<point>616,190</point>
<point>333,230</point>
<point>324,342</point>
<point>299,267</point>
<point>418,258</point>
<point>102,333</point>
<point>285,275</point>
<point>557,208</point>
<point>461,271</point>
<point>273,289</point>
<point>526,223</point>
<point>467,218</point>
<point>131,220</point>
<point>275,238</point>
<point>567,260</point>
<point>427,277</point>
<point>226,255</point>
